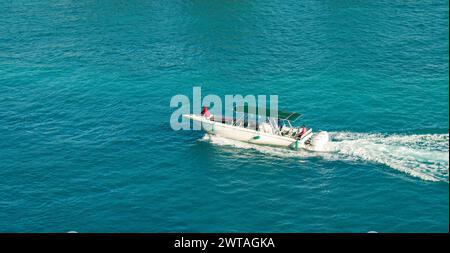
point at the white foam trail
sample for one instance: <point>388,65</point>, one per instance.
<point>424,156</point>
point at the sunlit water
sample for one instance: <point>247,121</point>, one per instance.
<point>86,144</point>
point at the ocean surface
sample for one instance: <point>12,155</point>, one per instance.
<point>86,144</point>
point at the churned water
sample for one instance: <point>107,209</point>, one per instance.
<point>86,144</point>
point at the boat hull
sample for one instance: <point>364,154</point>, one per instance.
<point>248,135</point>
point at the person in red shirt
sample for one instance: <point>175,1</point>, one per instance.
<point>205,112</point>
<point>302,132</point>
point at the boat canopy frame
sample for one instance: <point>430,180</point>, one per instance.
<point>282,115</point>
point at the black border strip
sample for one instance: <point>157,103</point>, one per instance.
<point>281,241</point>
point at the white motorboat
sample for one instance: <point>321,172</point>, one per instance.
<point>280,131</point>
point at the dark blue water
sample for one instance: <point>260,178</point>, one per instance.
<point>86,144</point>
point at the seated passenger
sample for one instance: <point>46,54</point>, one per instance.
<point>302,132</point>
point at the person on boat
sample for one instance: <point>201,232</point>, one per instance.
<point>205,112</point>
<point>280,124</point>
<point>302,132</point>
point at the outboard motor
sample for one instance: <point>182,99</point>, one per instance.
<point>319,141</point>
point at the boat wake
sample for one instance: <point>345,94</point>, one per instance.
<point>425,156</point>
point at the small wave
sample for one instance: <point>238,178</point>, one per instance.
<point>423,156</point>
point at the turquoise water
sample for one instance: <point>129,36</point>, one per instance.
<point>86,144</point>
